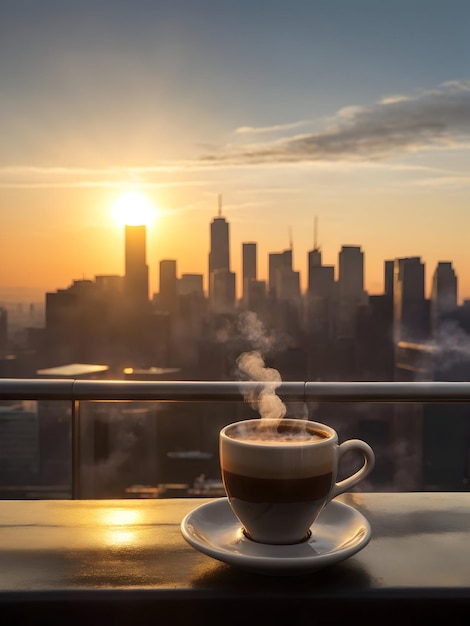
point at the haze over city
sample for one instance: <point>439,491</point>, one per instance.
<point>357,113</point>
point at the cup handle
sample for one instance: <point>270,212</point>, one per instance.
<point>369,462</point>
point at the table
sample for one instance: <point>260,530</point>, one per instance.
<point>126,562</point>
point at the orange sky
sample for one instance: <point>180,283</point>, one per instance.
<point>352,113</point>
<point>52,236</point>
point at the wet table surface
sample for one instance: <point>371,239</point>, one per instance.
<point>125,561</point>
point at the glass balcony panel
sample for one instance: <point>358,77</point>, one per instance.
<point>35,449</point>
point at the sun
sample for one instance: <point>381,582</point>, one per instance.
<point>133,209</point>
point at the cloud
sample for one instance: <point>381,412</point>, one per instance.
<point>12,177</point>
<point>246,130</point>
<point>355,136</point>
<point>444,181</point>
<point>429,119</point>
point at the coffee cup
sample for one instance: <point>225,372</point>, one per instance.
<point>279,474</point>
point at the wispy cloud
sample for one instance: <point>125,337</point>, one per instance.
<point>251,130</point>
<point>444,181</point>
<point>118,177</point>
<point>396,125</point>
<point>355,137</point>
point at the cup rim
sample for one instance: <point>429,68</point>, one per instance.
<point>333,438</point>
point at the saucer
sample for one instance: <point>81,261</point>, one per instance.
<point>339,532</point>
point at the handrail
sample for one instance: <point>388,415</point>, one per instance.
<point>75,391</point>
<point>184,391</point>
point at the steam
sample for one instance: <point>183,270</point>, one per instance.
<point>452,345</point>
<point>251,367</point>
<point>446,354</point>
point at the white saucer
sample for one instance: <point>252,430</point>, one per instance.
<point>339,532</point>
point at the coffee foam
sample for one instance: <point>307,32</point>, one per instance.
<point>257,456</point>
<point>268,434</point>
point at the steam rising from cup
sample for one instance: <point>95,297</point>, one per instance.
<point>252,367</point>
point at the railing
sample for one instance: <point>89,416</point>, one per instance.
<point>76,391</point>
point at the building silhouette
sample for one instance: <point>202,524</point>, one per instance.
<point>320,300</point>
<point>411,310</point>
<point>256,299</point>
<point>3,330</point>
<point>191,284</point>
<point>168,295</point>
<point>443,295</point>
<point>389,268</point>
<point>222,290</point>
<point>219,253</point>
<point>136,268</point>
<point>351,292</point>
<point>249,268</point>
<point>277,262</point>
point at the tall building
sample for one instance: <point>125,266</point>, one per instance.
<point>314,257</point>
<point>288,284</point>
<point>3,330</point>
<point>168,285</point>
<point>320,296</point>
<point>443,294</point>
<point>277,261</point>
<point>219,254</point>
<point>314,261</point>
<point>136,268</point>
<point>321,278</point>
<point>351,292</point>
<point>410,309</point>
<point>388,277</point>
<point>256,296</point>
<point>222,289</point>
<point>249,267</point>
<point>351,272</point>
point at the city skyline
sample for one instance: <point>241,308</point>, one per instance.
<point>358,114</point>
<point>153,271</point>
<point>347,273</point>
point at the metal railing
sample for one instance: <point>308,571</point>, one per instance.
<point>75,391</point>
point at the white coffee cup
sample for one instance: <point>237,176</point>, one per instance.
<point>279,474</point>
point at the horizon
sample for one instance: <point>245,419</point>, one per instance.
<point>357,115</point>
<point>25,293</point>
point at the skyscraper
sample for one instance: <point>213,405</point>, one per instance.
<point>351,292</point>
<point>314,256</point>
<point>168,285</point>
<point>278,261</point>
<point>314,259</point>
<point>388,277</point>
<point>321,278</point>
<point>410,319</point>
<point>443,295</point>
<point>136,268</point>
<point>351,272</point>
<point>219,255</point>
<point>249,266</point>
<point>3,330</point>
<point>222,289</point>
<point>319,301</point>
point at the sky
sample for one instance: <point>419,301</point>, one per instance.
<point>356,112</point>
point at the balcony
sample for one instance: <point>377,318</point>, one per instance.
<point>121,561</point>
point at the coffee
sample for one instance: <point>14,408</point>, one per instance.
<point>253,489</point>
<point>280,474</point>
<point>272,499</point>
<point>278,433</point>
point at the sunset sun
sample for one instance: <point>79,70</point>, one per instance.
<point>133,209</point>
